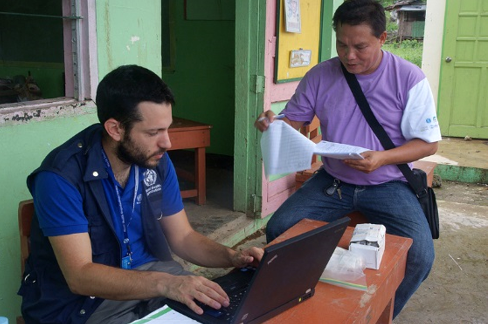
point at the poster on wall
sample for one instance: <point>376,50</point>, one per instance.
<point>292,16</point>
<point>300,58</point>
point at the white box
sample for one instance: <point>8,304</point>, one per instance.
<point>368,240</point>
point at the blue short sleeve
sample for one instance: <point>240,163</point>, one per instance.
<point>58,204</point>
<point>172,201</point>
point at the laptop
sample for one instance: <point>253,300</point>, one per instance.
<point>286,276</point>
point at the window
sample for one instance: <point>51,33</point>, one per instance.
<point>47,53</point>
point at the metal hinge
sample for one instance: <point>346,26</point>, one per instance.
<point>258,83</point>
<point>256,203</point>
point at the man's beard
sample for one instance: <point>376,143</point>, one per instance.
<point>129,153</point>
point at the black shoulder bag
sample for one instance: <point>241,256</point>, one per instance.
<point>417,178</point>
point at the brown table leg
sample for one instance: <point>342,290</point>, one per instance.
<point>387,315</point>
<point>200,181</point>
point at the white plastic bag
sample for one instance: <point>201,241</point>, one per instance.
<point>345,269</point>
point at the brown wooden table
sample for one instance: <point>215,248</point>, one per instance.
<point>188,134</point>
<point>333,304</point>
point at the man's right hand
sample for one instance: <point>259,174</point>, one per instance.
<point>188,289</point>
<point>264,119</point>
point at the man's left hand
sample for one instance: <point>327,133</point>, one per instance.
<point>372,161</point>
<point>247,257</point>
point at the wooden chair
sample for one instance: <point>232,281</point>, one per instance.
<point>25,213</point>
<point>312,131</point>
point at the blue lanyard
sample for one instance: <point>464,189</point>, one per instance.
<point>122,216</point>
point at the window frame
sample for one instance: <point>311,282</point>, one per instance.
<point>80,66</point>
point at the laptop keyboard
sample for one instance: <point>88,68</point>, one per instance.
<point>227,313</point>
<point>235,291</point>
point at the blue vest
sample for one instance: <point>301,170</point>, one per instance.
<point>46,297</point>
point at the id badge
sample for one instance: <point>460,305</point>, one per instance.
<point>126,262</point>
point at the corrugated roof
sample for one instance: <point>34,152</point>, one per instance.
<point>413,8</point>
<point>404,3</point>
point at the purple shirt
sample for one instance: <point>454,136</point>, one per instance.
<point>399,96</point>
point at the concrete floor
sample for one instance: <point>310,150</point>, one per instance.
<point>462,153</point>
<point>457,288</point>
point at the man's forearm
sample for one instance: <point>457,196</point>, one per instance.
<point>118,284</point>
<point>203,251</point>
<point>412,151</point>
<point>84,277</point>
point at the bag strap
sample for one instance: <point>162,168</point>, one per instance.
<point>379,131</point>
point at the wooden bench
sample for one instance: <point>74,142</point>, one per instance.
<point>313,133</point>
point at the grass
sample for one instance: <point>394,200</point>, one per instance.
<point>411,50</point>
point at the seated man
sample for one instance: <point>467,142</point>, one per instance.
<point>401,99</point>
<point>109,213</point>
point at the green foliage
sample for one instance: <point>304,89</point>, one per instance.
<point>411,50</point>
<point>391,27</point>
<point>386,3</point>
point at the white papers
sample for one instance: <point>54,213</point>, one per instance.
<point>165,315</point>
<point>339,151</point>
<point>286,150</point>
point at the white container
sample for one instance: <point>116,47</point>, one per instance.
<point>368,240</point>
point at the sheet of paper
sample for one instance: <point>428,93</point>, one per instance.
<point>165,315</point>
<point>339,151</point>
<point>285,150</point>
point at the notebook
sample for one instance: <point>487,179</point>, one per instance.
<point>286,276</point>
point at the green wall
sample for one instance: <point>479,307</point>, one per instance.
<point>23,146</point>
<point>204,71</point>
<point>126,34</point>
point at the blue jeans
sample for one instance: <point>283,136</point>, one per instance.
<point>392,204</point>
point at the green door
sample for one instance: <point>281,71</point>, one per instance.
<point>463,95</point>
<point>249,101</point>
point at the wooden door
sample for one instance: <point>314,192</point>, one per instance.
<point>463,95</point>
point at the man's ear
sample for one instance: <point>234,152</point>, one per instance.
<point>114,129</point>
<point>383,38</point>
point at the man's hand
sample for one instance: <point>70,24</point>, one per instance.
<point>264,119</point>
<point>188,289</point>
<point>372,161</point>
<point>248,257</point>
<point>408,152</point>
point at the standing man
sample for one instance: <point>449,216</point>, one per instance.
<point>401,99</point>
<point>108,213</point>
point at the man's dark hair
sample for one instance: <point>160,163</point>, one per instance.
<point>357,12</point>
<point>121,90</point>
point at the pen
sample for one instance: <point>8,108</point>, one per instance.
<point>280,116</point>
